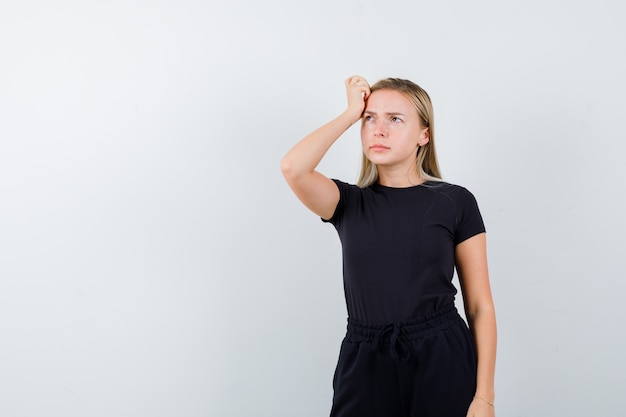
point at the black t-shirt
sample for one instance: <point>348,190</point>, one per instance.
<point>398,247</point>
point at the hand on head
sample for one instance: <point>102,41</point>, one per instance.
<point>358,91</point>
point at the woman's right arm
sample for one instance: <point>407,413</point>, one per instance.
<point>316,191</point>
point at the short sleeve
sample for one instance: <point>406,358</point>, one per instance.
<point>469,221</point>
<point>344,193</point>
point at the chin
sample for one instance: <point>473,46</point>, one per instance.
<point>379,160</point>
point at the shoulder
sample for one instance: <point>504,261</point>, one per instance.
<point>348,189</point>
<point>452,191</point>
<point>343,184</point>
<point>459,198</point>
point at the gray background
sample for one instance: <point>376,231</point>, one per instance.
<point>153,262</point>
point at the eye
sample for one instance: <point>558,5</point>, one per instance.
<point>396,119</point>
<point>367,118</point>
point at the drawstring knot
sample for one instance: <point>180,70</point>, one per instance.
<point>398,346</point>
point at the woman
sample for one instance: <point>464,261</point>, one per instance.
<point>407,352</point>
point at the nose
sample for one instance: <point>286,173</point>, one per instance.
<point>380,129</point>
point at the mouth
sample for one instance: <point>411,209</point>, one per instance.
<point>378,147</point>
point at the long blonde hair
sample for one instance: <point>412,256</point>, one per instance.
<point>426,157</point>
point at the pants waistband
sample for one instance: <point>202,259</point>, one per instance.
<point>398,334</point>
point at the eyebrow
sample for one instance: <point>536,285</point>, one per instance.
<point>388,113</point>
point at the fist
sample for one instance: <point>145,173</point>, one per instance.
<point>357,90</point>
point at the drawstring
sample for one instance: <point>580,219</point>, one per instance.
<point>398,347</point>
<point>401,334</point>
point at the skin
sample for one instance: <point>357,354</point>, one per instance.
<point>391,132</point>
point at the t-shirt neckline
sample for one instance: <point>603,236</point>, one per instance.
<point>411,187</point>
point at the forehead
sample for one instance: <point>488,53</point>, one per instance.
<point>389,101</point>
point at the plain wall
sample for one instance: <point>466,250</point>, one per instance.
<point>153,261</point>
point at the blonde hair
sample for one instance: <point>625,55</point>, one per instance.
<point>426,157</point>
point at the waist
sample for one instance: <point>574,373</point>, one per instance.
<point>413,328</point>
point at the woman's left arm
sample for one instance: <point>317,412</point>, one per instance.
<point>471,264</point>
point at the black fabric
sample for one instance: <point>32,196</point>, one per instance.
<point>434,375</point>
<point>398,247</point>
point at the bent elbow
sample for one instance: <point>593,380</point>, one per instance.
<point>286,168</point>
<point>289,170</point>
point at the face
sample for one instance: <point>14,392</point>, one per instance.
<point>391,130</point>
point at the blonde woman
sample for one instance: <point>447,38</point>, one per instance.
<point>407,352</point>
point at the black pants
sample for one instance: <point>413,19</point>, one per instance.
<point>422,368</point>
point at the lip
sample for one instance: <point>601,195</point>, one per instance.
<point>379,147</point>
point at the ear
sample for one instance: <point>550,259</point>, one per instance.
<point>424,137</point>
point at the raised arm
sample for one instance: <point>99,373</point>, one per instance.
<point>471,261</point>
<point>316,191</point>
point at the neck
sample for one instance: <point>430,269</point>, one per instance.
<point>396,178</point>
